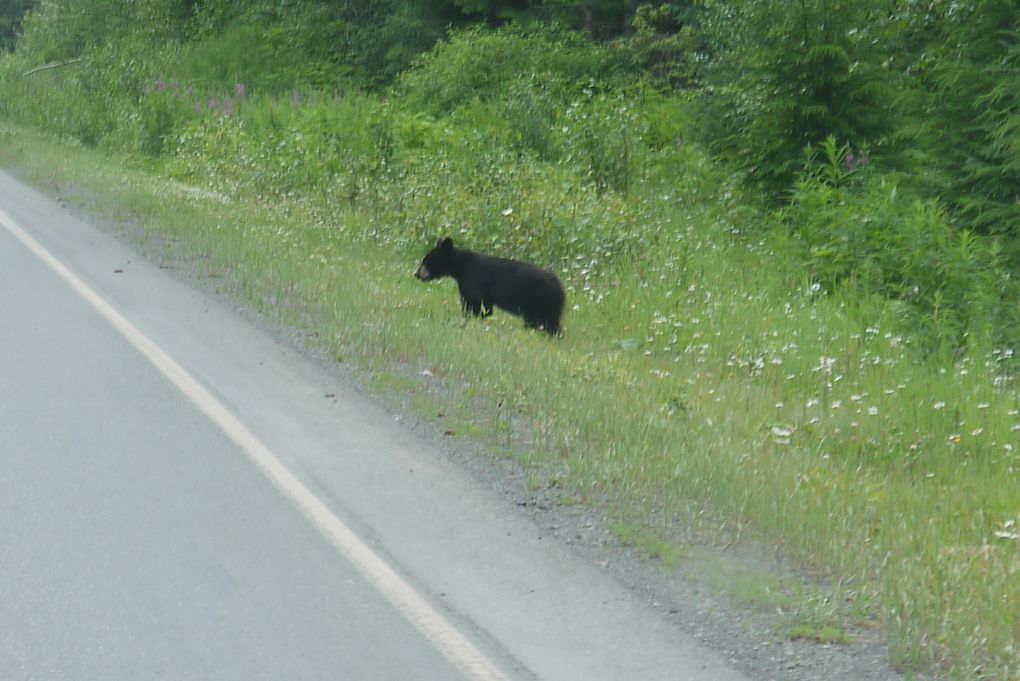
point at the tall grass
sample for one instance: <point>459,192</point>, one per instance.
<point>715,375</point>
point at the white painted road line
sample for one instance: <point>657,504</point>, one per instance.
<point>463,654</point>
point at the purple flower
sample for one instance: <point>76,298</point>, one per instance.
<point>228,107</point>
<point>239,90</point>
<point>161,84</point>
<point>851,162</point>
<point>213,104</point>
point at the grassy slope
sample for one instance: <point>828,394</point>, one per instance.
<point>710,388</point>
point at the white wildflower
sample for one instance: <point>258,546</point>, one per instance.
<point>825,364</point>
<point>782,434</point>
<point>1008,530</point>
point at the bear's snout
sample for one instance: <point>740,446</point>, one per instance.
<point>422,273</point>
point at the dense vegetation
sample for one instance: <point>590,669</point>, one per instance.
<point>810,210</point>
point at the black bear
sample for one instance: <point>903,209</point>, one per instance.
<point>519,288</point>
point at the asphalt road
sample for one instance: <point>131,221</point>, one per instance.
<point>184,497</point>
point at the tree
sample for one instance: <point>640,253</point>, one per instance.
<point>784,76</point>
<point>969,113</point>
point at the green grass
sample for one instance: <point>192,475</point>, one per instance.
<point>819,634</point>
<point>707,386</point>
<point>648,544</point>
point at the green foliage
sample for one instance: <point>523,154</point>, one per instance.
<point>277,148</point>
<point>535,93</point>
<point>602,135</point>
<point>530,108</point>
<point>87,101</point>
<point>664,44</point>
<point>965,119</point>
<point>265,58</point>
<point>479,64</point>
<point>786,76</point>
<point>492,10</point>
<point>61,29</point>
<point>378,40</point>
<point>857,228</point>
<point>478,173</point>
<point>602,20</point>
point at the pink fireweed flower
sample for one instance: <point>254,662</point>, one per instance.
<point>239,90</point>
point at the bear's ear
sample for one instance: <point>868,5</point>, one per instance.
<point>445,244</point>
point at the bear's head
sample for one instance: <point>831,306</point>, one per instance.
<point>436,262</point>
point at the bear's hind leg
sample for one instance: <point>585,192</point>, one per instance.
<point>550,325</point>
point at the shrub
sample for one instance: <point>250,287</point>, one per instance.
<point>856,227</point>
<point>306,143</point>
<point>602,134</point>
<point>479,64</point>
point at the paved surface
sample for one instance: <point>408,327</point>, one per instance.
<point>140,539</point>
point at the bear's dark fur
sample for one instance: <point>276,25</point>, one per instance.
<point>519,288</point>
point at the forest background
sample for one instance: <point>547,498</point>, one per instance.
<point>790,234</point>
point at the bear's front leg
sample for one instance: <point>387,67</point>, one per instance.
<point>473,307</point>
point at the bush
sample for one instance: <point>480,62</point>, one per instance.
<point>602,134</point>
<point>306,143</point>
<point>270,58</point>
<point>664,45</point>
<point>476,63</point>
<point>856,228</point>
